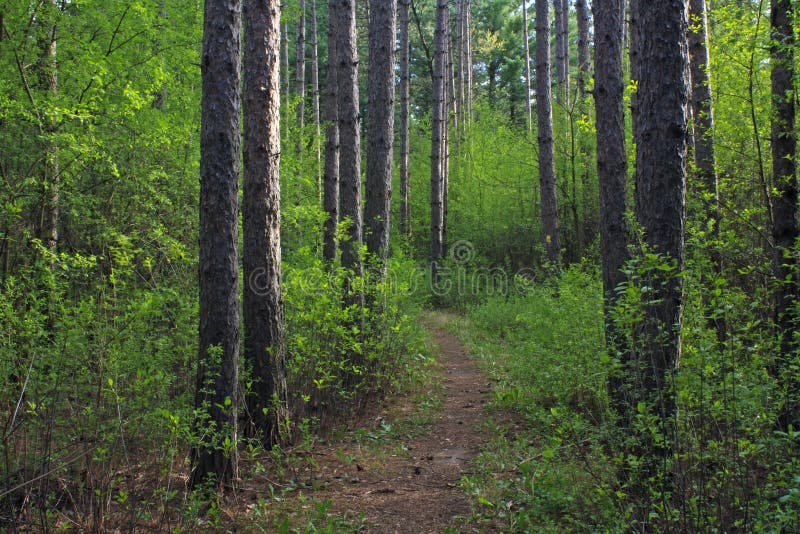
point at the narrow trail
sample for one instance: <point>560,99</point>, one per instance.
<point>415,488</point>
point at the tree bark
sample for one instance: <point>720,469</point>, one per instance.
<point>784,198</point>
<point>405,183</point>
<point>349,133</point>
<point>661,136</point>
<point>300,71</point>
<point>562,49</point>
<point>218,351</point>
<point>526,44</point>
<point>331,177</point>
<point>437,138</point>
<point>544,115</point>
<point>612,162</point>
<point>51,180</point>
<point>315,97</point>
<point>582,14</point>
<point>264,343</point>
<point>467,47</point>
<point>380,130</point>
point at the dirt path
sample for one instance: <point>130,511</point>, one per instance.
<point>414,488</point>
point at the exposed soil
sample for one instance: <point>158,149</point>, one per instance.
<point>413,487</point>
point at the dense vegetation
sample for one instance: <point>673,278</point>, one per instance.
<point>100,113</point>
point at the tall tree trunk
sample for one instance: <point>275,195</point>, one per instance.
<point>544,115</point>
<point>349,134</point>
<point>458,59</point>
<point>264,343</point>
<point>784,199</point>
<point>526,44</point>
<point>315,97</point>
<point>562,49</point>
<point>612,163</point>
<point>405,184</point>
<point>437,138</point>
<point>48,81</point>
<point>218,350</point>
<point>582,14</point>
<point>467,47</point>
<point>380,130</point>
<point>300,71</point>
<point>332,157</point>
<point>286,79</point>
<point>660,54</point>
<point>703,119</point>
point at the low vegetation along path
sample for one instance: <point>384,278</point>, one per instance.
<point>415,488</point>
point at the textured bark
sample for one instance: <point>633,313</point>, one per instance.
<point>661,134</point>
<point>437,138</point>
<point>286,79</point>
<point>349,133</point>
<point>405,183</point>
<point>380,130</point>
<point>48,74</point>
<point>315,96</point>
<point>264,343</point>
<point>300,70</point>
<point>218,351</point>
<point>331,175</point>
<point>544,117</point>
<point>526,44</point>
<point>582,14</point>
<point>612,162</point>
<point>562,48</point>
<point>784,199</point>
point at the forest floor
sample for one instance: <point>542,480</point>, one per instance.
<point>399,471</point>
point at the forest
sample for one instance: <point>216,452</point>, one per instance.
<point>399,266</point>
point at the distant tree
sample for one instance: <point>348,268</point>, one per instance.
<point>300,69</point>
<point>315,103</point>
<point>784,198</point>
<point>264,344</point>
<point>349,131</point>
<point>437,138</point>
<point>582,14</point>
<point>331,174</point>
<point>48,125</point>
<point>380,127</point>
<point>562,48</point>
<point>526,44</point>
<point>544,113</point>
<point>405,183</point>
<point>218,351</point>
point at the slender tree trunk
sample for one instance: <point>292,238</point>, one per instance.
<point>218,351</point>
<point>458,58</point>
<point>286,80</point>
<point>315,97</point>
<point>582,13</point>
<point>612,164</point>
<point>300,71</point>
<point>349,134</point>
<point>331,177</point>
<point>703,119</point>
<point>48,224</point>
<point>405,183</point>
<point>562,49</point>
<point>784,199</point>
<point>437,138</point>
<point>467,32</point>
<point>264,344</point>
<point>544,113</point>
<point>380,130</point>
<point>526,44</point>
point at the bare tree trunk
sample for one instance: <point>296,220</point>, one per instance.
<point>458,59</point>
<point>218,351</point>
<point>784,200</point>
<point>612,164</point>
<point>380,130</point>
<point>661,60</point>
<point>300,71</point>
<point>286,79</point>
<point>315,96</point>
<point>562,49</point>
<point>331,178</point>
<point>544,112</point>
<point>48,224</point>
<point>405,184</point>
<point>349,134</point>
<point>582,13</point>
<point>437,137</point>
<point>467,32</point>
<point>703,119</point>
<point>264,343</point>
<point>526,44</point>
